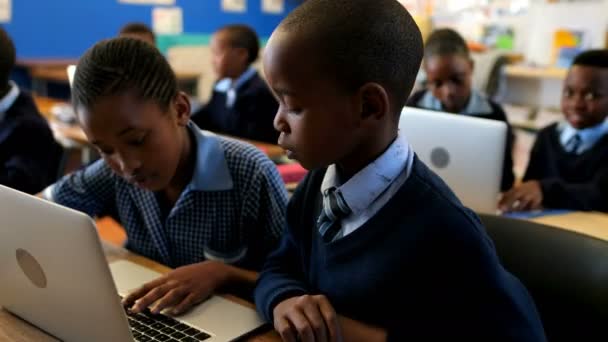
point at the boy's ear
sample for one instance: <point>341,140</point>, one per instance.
<point>182,108</point>
<point>374,101</point>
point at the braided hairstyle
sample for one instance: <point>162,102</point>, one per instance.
<point>121,65</point>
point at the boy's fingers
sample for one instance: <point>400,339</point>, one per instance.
<point>316,321</point>
<point>302,326</point>
<point>142,291</point>
<point>331,320</point>
<point>285,329</point>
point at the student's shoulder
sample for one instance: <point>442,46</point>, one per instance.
<point>548,133</point>
<point>430,201</point>
<point>244,156</point>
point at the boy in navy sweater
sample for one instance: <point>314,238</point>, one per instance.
<point>449,67</point>
<point>568,166</point>
<point>241,104</point>
<point>376,247</point>
<point>29,155</point>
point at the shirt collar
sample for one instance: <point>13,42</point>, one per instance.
<point>9,99</point>
<point>211,172</point>
<point>368,184</point>
<point>589,135</point>
<point>226,84</point>
<point>478,104</point>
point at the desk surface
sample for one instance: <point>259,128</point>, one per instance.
<point>590,223</point>
<point>535,72</point>
<point>75,133</point>
<point>13,329</point>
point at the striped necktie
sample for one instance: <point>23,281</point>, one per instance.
<point>335,208</point>
<point>574,143</point>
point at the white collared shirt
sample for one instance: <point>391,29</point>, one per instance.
<point>230,87</point>
<point>478,104</point>
<point>9,99</point>
<point>589,136</point>
<point>372,187</point>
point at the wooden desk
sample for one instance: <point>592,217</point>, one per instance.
<point>524,71</point>
<point>589,223</point>
<point>13,329</point>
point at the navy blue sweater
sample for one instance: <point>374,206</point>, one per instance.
<point>423,266</point>
<point>568,180</point>
<point>250,117</point>
<point>29,155</point>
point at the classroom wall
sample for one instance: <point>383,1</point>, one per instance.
<point>66,28</point>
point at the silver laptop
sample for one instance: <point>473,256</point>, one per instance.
<point>465,151</point>
<point>53,274</point>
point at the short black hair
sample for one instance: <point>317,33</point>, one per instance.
<point>7,57</point>
<point>444,42</point>
<point>123,64</point>
<point>360,41</point>
<point>243,36</point>
<point>137,28</point>
<point>592,58</point>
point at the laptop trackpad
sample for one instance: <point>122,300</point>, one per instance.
<point>220,317</point>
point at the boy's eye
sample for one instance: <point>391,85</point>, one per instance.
<point>567,93</point>
<point>138,141</point>
<point>590,96</point>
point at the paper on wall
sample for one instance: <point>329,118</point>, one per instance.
<point>5,11</point>
<point>167,20</point>
<point>273,6</point>
<point>239,6</point>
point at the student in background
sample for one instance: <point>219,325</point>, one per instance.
<point>241,104</point>
<point>449,68</point>
<point>138,31</point>
<point>376,246</point>
<point>29,155</point>
<point>212,207</point>
<point>568,167</point>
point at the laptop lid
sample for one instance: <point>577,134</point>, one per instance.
<point>53,274</point>
<point>465,151</point>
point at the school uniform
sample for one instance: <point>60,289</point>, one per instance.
<point>244,108</point>
<point>571,166</point>
<point>482,107</point>
<point>29,155</point>
<point>232,209</point>
<point>394,248</point>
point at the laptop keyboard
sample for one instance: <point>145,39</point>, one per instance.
<point>147,326</point>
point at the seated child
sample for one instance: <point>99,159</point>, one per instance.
<point>449,68</point>
<point>376,247</point>
<point>212,207</point>
<point>568,167</point>
<point>29,155</point>
<point>241,104</point>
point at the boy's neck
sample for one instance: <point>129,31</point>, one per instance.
<point>240,73</point>
<point>363,155</point>
<point>185,170</point>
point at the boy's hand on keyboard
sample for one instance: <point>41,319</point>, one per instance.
<point>179,289</point>
<point>526,196</point>
<point>307,319</point>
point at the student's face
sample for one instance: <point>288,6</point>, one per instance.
<point>585,96</point>
<point>317,120</point>
<point>139,141</point>
<point>227,61</point>
<point>449,79</point>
